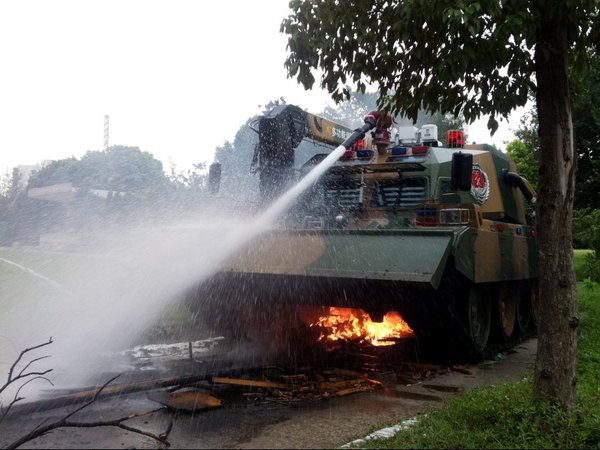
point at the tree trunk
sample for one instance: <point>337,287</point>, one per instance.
<point>556,363</point>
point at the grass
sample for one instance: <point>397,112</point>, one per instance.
<point>581,266</point>
<point>38,275</point>
<point>41,271</point>
<point>505,416</point>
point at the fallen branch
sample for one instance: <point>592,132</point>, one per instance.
<point>106,423</point>
<point>65,423</point>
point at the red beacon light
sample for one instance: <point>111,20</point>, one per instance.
<point>419,149</point>
<point>456,139</point>
<point>348,154</point>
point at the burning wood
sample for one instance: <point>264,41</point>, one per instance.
<point>356,324</point>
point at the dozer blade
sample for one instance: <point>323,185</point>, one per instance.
<point>409,256</point>
<point>376,270</point>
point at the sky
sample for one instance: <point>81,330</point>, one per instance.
<point>176,78</point>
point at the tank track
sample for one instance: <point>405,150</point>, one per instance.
<point>495,348</point>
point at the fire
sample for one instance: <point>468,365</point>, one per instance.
<point>356,324</point>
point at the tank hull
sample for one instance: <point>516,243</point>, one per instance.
<point>441,235</point>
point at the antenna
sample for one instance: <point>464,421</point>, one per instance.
<point>105,131</point>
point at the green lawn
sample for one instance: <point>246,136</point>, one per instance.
<point>30,277</point>
<point>586,266</point>
<point>505,416</point>
<point>45,276</point>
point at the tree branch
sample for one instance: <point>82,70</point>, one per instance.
<point>30,363</point>
<point>4,412</point>
<point>65,423</point>
<point>22,373</point>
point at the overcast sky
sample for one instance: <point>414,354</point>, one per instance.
<point>177,78</point>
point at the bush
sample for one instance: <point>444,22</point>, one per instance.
<point>586,234</point>
<point>591,267</point>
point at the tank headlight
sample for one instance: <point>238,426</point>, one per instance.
<point>454,216</point>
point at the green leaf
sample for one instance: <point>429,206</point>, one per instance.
<point>492,125</point>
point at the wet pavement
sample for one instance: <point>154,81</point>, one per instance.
<point>269,421</point>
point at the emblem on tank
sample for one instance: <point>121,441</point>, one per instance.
<point>480,185</point>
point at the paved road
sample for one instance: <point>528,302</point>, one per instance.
<point>318,424</point>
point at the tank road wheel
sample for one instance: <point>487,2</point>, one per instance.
<point>506,311</point>
<point>524,306</point>
<point>478,317</point>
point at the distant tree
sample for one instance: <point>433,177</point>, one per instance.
<point>586,129</point>
<point>10,187</point>
<point>193,179</point>
<point>188,189</point>
<point>238,181</point>
<point>586,123</point>
<point>11,184</point>
<point>118,168</point>
<point>444,122</point>
<point>527,132</point>
<point>525,160</point>
<point>136,182</point>
<point>30,217</point>
<point>60,171</point>
<point>352,111</point>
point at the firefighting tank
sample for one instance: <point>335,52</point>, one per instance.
<point>442,233</point>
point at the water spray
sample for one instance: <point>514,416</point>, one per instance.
<point>112,304</point>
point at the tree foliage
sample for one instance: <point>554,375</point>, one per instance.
<point>468,57</point>
<point>352,111</point>
<point>586,126</point>
<point>586,121</point>
<point>236,158</point>
<point>527,132</point>
<point>22,218</point>
<point>525,159</point>
<point>190,179</point>
<point>118,168</point>
<point>57,172</point>
<point>360,40</point>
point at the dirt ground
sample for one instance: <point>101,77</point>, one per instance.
<point>319,424</point>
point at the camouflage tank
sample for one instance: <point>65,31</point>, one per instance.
<point>442,234</point>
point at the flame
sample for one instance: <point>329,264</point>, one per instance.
<point>356,324</point>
